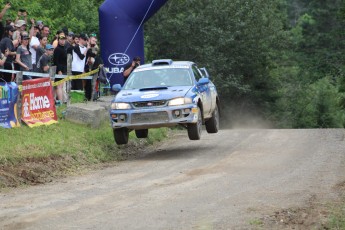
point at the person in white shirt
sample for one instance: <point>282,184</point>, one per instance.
<point>34,44</point>
<point>79,59</point>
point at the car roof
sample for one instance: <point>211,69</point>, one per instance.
<point>161,63</point>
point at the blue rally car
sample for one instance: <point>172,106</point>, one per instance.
<point>165,93</point>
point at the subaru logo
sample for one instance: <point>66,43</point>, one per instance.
<point>118,59</point>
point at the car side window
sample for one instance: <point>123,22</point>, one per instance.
<point>196,72</point>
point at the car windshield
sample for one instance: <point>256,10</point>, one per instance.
<point>164,77</point>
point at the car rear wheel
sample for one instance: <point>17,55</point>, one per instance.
<point>141,133</point>
<point>121,136</point>
<point>194,130</point>
<point>212,125</point>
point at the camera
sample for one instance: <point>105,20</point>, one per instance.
<point>22,10</point>
<point>136,64</point>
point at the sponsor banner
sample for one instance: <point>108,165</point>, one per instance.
<point>8,105</point>
<point>38,105</point>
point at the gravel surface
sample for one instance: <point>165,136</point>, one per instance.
<point>235,179</point>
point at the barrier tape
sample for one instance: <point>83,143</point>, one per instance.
<point>64,77</point>
<point>74,77</point>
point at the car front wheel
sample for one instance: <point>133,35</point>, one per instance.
<point>212,125</point>
<point>121,136</point>
<point>194,129</point>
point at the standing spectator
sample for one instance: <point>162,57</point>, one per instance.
<point>21,26</point>
<point>3,57</point>
<point>23,57</point>
<point>22,15</point>
<point>94,61</point>
<point>70,38</point>
<point>40,25</point>
<point>130,67</point>
<point>43,63</point>
<point>34,44</point>
<point>45,31</point>
<point>60,60</point>
<point>41,49</point>
<point>6,43</point>
<point>76,40</point>
<point>56,39</point>
<point>2,14</point>
<point>78,62</point>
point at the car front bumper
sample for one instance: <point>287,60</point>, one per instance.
<point>154,117</point>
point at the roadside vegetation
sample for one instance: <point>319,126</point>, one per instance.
<point>34,155</point>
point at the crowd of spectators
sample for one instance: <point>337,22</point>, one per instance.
<point>26,46</point>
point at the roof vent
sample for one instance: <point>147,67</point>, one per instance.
<point>162,62</point>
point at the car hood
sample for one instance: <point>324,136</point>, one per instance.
<point>152,94</point>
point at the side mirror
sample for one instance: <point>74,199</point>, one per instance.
<point>203,81</point>
<point>116,87</point>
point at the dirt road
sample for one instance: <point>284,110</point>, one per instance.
<point>236,179</point>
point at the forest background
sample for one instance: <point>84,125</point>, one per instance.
<point>279,60</point>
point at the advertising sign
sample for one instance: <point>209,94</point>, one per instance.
<point>38,104</point>
<point>8,105</point>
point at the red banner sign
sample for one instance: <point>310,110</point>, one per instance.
<point>38,104</point>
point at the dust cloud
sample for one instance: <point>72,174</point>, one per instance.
<point>233,118</point>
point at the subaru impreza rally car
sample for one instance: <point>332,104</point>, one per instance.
<point>165,93</point>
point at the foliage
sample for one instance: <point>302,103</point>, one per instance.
<point>77,16</point>
<point>235,43</point>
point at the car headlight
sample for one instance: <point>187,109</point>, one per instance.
<point>116,105</point>
<point>180,101</point>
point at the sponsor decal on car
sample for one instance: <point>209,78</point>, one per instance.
<point>151,95</point>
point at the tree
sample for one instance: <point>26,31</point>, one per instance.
<point>234,39</point>
<point>77,16</point>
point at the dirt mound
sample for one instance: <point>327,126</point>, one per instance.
<point>39,171</point>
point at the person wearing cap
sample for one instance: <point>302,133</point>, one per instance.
<point>57,35</point>
<point>21,26</point>
<point>130,67</point>
<point>60,61</point>
<point>43,63</point>
<point>23,57</point>
<point>6,43</point>
<point>78,62</point>
<point>40,25</point>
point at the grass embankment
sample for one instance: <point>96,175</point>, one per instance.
<point>26,149</point>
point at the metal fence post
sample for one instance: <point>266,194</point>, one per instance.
<point>93,84</point>
<point>19,81</point>
<point>52,71</point>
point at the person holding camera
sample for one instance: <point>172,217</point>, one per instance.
<point>130,67</point>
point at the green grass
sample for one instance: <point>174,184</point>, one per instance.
<point>77,97</point>
<point>65,139</point>
<point>337,217</point>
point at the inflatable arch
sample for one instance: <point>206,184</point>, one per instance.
<point>121,33</point>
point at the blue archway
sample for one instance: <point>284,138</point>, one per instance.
<point>121,32</point>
